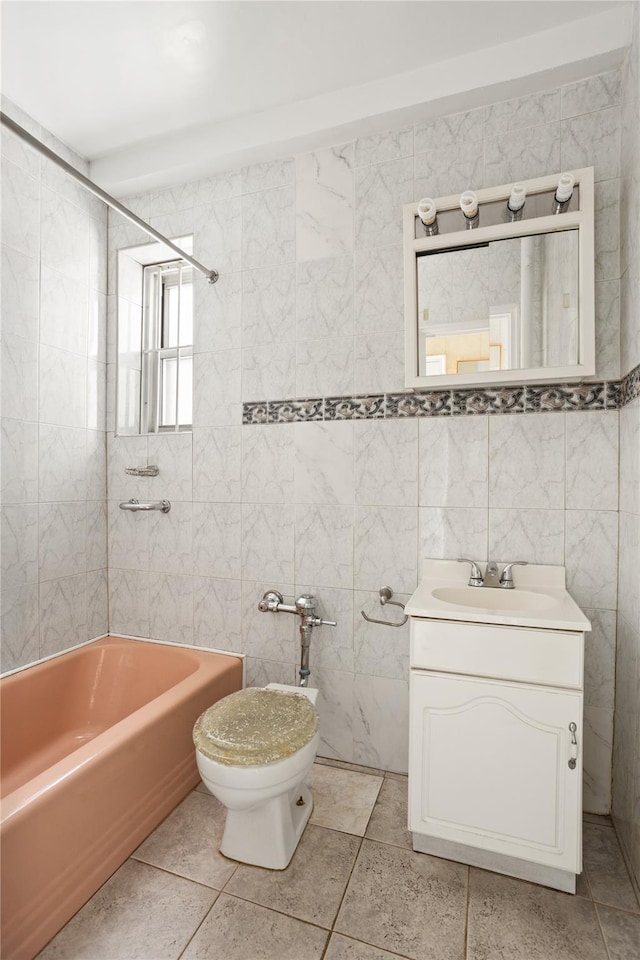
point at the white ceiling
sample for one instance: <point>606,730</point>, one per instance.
<point>118,81</point>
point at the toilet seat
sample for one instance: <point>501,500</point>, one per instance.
<point>255,726</point>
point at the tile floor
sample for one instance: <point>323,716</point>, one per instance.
<point>354,890</point>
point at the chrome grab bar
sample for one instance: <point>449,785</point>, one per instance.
<point>136,505</point>
<point>385,597</point>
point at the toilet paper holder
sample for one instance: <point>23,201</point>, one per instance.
<point>385,598</point>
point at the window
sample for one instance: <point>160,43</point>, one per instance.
<point>167,348</point>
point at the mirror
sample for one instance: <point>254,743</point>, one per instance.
<point>508,301</point>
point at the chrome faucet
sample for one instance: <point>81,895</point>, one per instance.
<point>491,577</point>
<point>305,606</point>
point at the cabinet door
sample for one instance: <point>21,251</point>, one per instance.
<point>489,767</point>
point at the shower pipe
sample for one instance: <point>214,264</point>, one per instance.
<point>211,275</point>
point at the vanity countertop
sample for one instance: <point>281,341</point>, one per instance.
<point>539,598</point>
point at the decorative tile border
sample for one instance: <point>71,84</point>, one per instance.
<point>492,401</point>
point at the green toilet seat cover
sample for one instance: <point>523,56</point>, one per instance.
<point>255,726</point>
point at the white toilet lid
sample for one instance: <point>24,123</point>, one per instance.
<point>255,726</point>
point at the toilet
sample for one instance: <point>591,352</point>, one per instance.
<point>255,750</point>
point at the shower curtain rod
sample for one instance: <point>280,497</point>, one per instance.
<point>97,191</point>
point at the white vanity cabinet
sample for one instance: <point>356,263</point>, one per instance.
<point>495,753</point>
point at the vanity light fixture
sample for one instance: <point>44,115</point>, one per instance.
<point>429,215</point>
<point>564,192</point>
<point>469,207</point>
<point>516,202</point>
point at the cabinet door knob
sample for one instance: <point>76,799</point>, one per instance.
<point>574,746</point>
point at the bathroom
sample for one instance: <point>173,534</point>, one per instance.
<point>280,487</point>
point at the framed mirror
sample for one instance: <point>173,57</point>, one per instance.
<point>504,296</point>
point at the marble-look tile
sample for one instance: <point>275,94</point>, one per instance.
<point>267,542</point>
<point>65,236</point>
<point>128,602</point>
<point>630,458</point>
<point>324,298</point>
<point>97,604</point>
<point>378,291</point>
<point>172,454</point>
<point>172,199</point>
<point>533,535</point>
<point>20,216</point>
<point>311,887</point>
<point>217,313</point>
<point>268,174</point>
<point>236,930</point>
<point>97,332</point>
<point>64,312</point>
<point>218,235</point>
<point>139,912</point>
<point>621,932</point>
<point>217,539</point>
<point>332,647</point>
<point>96,553</point>
<point>324,463</point>
<point>380,192</point>
<point>629,547</point>
<point>170,608</point>
<point>324,544</point>
<point>96,395</point>
<point>380,651</point>
<point>608,875</point>
<point>509,918</point>
<point>409,902</point>
<point>266,635</point>
<point>447,532</point>
<point>386,462</point>
<point>607,230</point>
<point>343,800</point>
<point>589,534</point>
<point>19,471</point>
<point>335,708</point>
<point>454,462</point>
<point>447,131</point>
<point>268,372</point>
<point>217,458</point>
<point>608,329</point>
<point>599,658</point>
<point>268,463</point>
<point>385,548</point>
<point>217,613</point>
<point>593,140</point>
<point>381,722</point>
<point>380,147</point>
<point>389,819</point>
<point>355,767</point>
<point>344,948</point>
<point>598,819</point>
<point>448,168</point>
<point>217,389</point>
<point>531,110</point>
<point>526,458</point>
<point>261,672</point>
<point>269,305</point>
<point>20,626</point>
<point>19,545</point>
<point>62,393</point>
<point>62,539</point>
<point>324,203</point>
<point>378,363</point>
<point>522,154</point>
<point>595,93</point>
<point>63,613</point>
<point>19,296</point>
<point>324,367</point>
<point>171,539</point>
<point>598,741</point>
<point>592,460</point>
<point>268,228</point>
<point>19,364</point>
<point>187,843</point>
<point>128,537</point>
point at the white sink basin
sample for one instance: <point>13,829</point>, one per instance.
<point>494,598</point>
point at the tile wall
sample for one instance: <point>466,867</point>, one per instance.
<point>53,472</point>
<point>310,304</point>
<point>626,762</point>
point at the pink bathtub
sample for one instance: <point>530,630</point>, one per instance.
<point>96,751</point>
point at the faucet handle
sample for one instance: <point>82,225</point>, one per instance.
<point>475,580</point>
<point>506,577</point>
